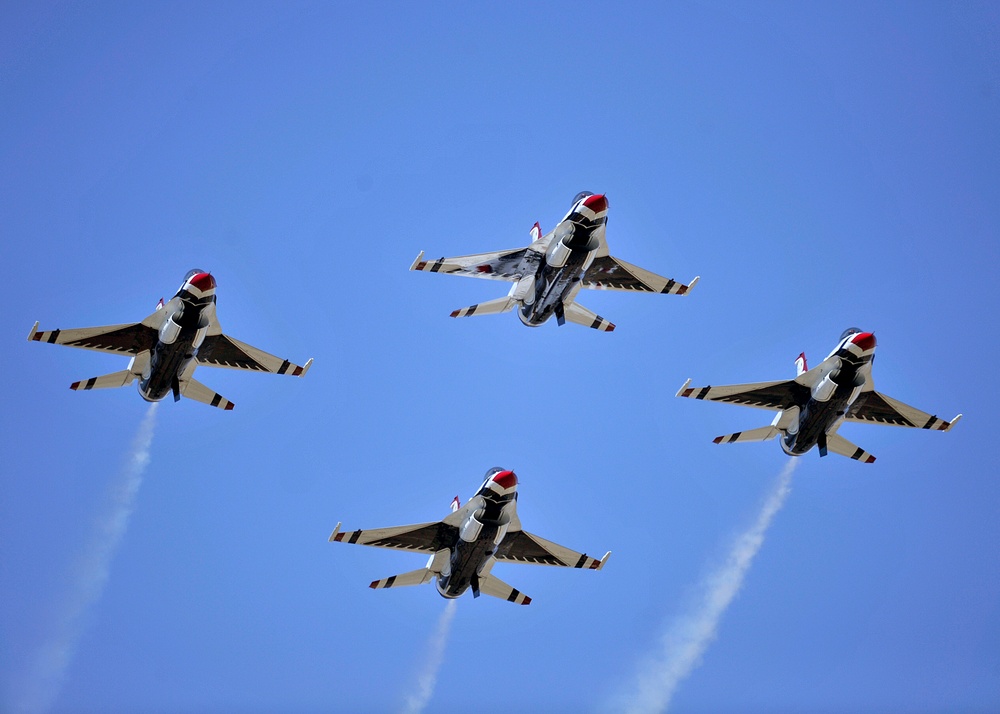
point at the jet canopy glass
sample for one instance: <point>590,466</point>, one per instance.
<point>850,331</point>
<point>191,273</point>
<point>582,195</point>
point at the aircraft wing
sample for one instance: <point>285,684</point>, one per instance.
<point>422,537</point>
<point>610,273</point>
<point>876,408</point>
<point>523,547</point>
<point>224,351</point>
<point>763,395</point>
<point>508,265</point>
<point>130,339</point>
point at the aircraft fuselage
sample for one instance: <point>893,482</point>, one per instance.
<point>573,247</point>
<point>832,397</point>
<point>181,334</point>
<point>489,515</point>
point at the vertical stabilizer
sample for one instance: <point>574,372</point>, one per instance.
<point>801,367</point>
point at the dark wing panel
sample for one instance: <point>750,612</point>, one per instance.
<point>423,537</point>
<point>123,339</point>
<point>523,547</point>
<point>225,351</point>
<point>875,408</point>
<point>763,395</point>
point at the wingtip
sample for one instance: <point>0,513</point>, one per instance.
<point>680,392</point>
<point>692,284</point>
<point>34,329</point>
<point>526,601</point>
<point>953,422</point>
<point>604,560</point>
<point>374,585</point>
<point>306,366</point>
<point>333,535</point>
<point>416,261</point>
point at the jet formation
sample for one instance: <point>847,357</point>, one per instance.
<point>548,274</point>
<point>818,401</point>
<point>169,344</point>
<point>465,546</point>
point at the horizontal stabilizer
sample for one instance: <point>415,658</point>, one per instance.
<point>574,312</point>
<point>764,433</point>
<point>107,381</point>
<point>493,307</point>
<point>414,577</point>
<point>193,389</point>
<point>492,585</point>
<point>839,445</point>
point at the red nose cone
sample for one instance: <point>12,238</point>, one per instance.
<point>203,281</point>
<point>596,203</point>
<point>505,479</point>
<point>864,340</point>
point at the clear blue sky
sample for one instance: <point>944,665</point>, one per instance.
<point>818,166</point>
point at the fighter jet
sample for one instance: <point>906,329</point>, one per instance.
<point>812,406</point>
<point>464,546</point>
<point>548,274</point>
<point>168,345</point>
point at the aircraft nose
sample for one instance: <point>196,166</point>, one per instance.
<point>203,281</point>
<point>505,479</point>
<point>864,340</point>
<point>596,203</point>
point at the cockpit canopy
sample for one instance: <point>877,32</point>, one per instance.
<point>582,195</point>
<point>850,331</point>
<point>493,472</point>
<point>191,273</point>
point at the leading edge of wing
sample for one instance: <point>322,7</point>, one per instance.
<point>421,537</point>
<point>610,273</point>
<point>129,338</point>
<point>773,396</point>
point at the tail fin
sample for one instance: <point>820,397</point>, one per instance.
<point>574,312</point>
<point>455,504</point>
<point>493,307</point>
<point>414,577</point>
<point>536,232</point>
<point>193,389</point>
<point>839,445</point>
<point>765,433</point>
<point>107,381</point>
<point>801,367</point>
<point>492,585</point>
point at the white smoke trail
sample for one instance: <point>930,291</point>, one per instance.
<point>48,670</point>
<point>427,678</point>
<point>686,640</point>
